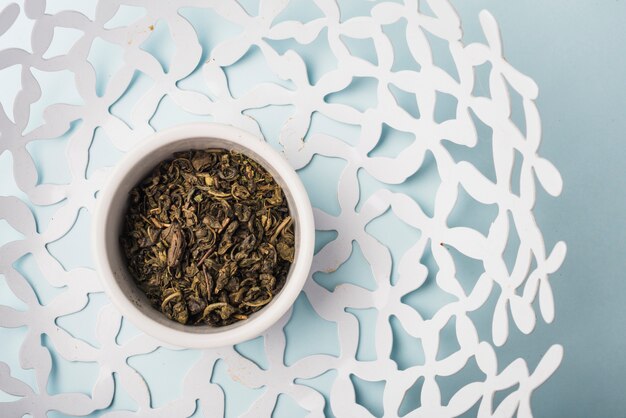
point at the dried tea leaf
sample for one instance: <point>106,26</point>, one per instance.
<point>177,245</point>
<point>208,237</point>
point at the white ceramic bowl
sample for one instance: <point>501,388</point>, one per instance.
<point>112,203</point>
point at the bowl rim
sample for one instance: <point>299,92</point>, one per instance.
<point>300,268</point>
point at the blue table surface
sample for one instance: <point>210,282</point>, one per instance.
<point>575,53</point>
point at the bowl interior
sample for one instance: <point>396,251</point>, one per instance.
<point>119,205</point>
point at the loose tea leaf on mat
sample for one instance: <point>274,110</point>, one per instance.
<point>208,237</point>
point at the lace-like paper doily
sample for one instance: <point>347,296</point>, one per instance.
<point>427,117</point>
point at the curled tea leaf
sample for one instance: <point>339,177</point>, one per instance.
<point>286,252</point>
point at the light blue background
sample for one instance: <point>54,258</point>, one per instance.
<point>576,52</point>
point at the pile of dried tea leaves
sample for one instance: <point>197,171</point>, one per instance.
<point>208,237</point>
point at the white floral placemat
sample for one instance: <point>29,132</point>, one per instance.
<point>104,74</point>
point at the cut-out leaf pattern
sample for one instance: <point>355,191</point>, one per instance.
<point>125,110</point>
